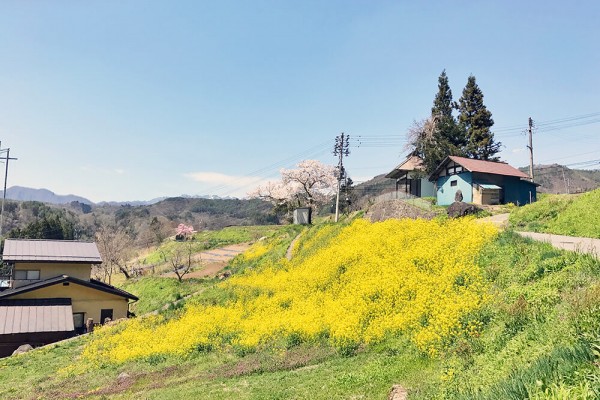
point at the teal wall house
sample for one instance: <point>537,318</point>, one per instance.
<point>482,182</point>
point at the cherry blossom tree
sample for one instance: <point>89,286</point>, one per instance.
<point>184,232</point>
<point>311,184</point>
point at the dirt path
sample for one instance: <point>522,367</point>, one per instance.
<point>290,250</point>
<point>213,261</point>
<point>579,244</point>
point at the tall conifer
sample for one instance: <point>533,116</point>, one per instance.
<point>475,120</point>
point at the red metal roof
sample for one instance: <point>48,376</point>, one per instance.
<point>22,316</point>
<point>486,167</point>
<point>51,251</point>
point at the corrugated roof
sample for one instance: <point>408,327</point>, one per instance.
<point>39,315</point>
<point>92,283</point>
<point>486,167</point>
<point>51,251</point>
<point>489,186</point>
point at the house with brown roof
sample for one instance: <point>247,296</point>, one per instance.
<point>411,178</point>
<point>49,293</point>
<point>482,182</point>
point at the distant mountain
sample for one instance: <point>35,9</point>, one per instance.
<point>159,199</point>
<point>44,195</point>
<point>557,178</point>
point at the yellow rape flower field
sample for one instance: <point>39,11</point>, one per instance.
<point>413,277</point>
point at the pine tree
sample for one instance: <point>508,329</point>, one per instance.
<point>475,120</point>
<point>439,136</point>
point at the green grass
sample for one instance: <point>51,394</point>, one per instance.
<point>207,240</point>
<point>540,339</point>
<point>539,328</point>
<point>155,292</point>
<point>572,215</point>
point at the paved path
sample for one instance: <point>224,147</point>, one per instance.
<point>500,220</point>
<point>579,244</point>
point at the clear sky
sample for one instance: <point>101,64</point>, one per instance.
<point>131,100</point>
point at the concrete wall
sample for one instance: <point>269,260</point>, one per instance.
<point>446,192</point>
<point>87,300</point>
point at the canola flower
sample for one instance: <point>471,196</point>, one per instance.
<point>373,279</point>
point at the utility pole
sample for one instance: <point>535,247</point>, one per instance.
<point>530,147</point>
<point>565,180</point>
<point>6,160</point>
<point>341,149</point>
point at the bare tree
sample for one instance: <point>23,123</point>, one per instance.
<point>181,259</point>
<point>115,247</point>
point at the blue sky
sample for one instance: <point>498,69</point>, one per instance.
<point>131,100</point>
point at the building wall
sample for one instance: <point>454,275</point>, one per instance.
<point>445,191</point>
<point>87,300</point>
<point>11,342</point>
<point>51,270</point>
<point>427,188</point>
<point>514,190</point>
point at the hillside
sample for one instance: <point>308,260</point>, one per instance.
<point>571,215</point>
<point>447,309</point>
<point>556,178</point>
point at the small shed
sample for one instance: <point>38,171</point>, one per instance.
<point>303,216</point>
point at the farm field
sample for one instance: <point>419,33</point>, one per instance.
<point>449,309</point>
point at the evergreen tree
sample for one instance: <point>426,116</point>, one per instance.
<point>439,136</point>
<point>475,120</point>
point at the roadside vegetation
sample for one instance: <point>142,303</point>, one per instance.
<point>561,214</point>
<point>448,309</point>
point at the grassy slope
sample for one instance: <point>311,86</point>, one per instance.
<point>538,336</point>
<point>207,240</point>
<point>573,215</point>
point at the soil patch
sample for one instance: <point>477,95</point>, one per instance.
<point>397,209</point>
<point>213,261</point>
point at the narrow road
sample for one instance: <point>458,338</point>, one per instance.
<point>572,243</point>
<point>579,244</point>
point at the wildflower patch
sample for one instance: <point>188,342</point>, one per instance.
<point>373,279</point>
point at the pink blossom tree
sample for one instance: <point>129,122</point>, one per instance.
<point>184,231</point>
<point>311,184</point>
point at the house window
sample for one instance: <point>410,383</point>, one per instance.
<point>453,183</point>
<point>453,170</point>
<point>30,275</point>
<point>78,320</point>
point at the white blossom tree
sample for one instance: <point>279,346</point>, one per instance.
<point>311,185</point>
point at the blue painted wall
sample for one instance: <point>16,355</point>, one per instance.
<point>514,190</point>
<point>446,192</point>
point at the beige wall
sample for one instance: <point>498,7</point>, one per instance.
<point>87,300</point>
<point>50,270</point>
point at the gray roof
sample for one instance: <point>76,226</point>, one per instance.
<point>51,251</point>
<point>39,315</point>
<point>92,283</point>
